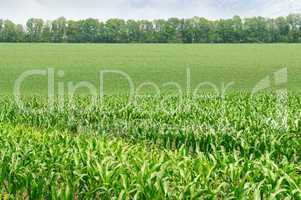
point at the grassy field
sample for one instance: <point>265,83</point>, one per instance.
<point>204,146</point>
<point>243,64</point>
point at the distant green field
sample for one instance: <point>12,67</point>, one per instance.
<point>244,64</point>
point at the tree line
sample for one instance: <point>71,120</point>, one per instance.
<point>173,30</point>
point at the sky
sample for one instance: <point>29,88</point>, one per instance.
<point>21,10</point>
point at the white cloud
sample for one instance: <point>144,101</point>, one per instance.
<point>21,10</point>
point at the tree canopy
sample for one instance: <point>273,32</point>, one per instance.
<point>173,30</point>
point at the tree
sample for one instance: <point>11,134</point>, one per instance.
<point>214,36</point>
<point>201,28</point>
<point>1,30</point>
<point>20,33</point>
<point>187,30</point>
<point>146,31</point>
<point>34,30</point>
<point>294,21</point>
<point>88,30</point>
<point>161,34</point>
<point>256,29</point>
<point>115,31</point>
<point>283,29</point>
<point>101,37</point>
<point>173,30</point>
<point>46,32</point>
<point>273,31</point>
<point>73,31</point>
<point>238,29</point>
<point>229,30</point>
<point>133,31</point>
<point>9,32</point>
<point>58,30</point>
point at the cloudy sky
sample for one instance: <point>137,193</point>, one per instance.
<point>20,10</point>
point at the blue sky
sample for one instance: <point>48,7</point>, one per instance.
<point>21,10</point>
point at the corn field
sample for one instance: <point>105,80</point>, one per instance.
<point>154,147</point>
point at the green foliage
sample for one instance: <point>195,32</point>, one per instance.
<point>10,32</point>
<point>58,30</point>
<point>173,30</point>
<point>208,148</point>
<point>201,124</point>
<point>34,29</point>
<point>158,146</point>
<point>115,31</point>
